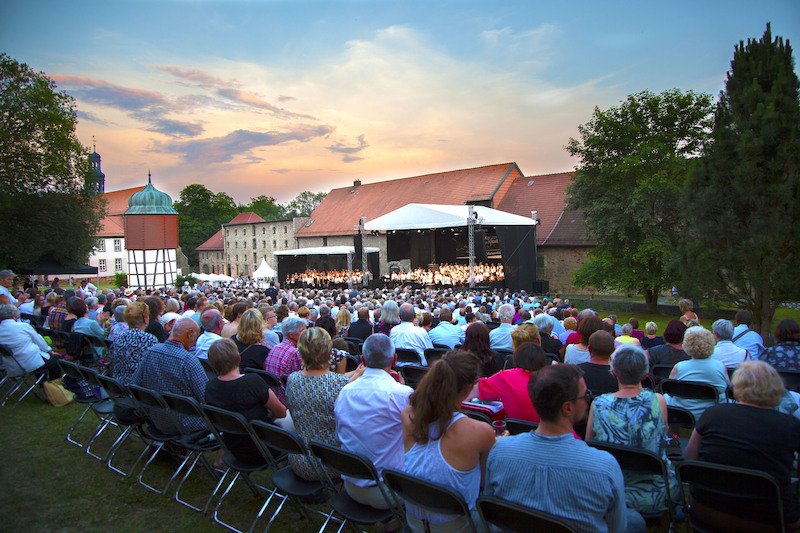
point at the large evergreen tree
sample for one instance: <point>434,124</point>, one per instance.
<point>634,161</point>
<point>43,203</point>
<point>744,244</point>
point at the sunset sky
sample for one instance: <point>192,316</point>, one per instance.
<point>277,97</point>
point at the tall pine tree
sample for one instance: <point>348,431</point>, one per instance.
<point>744,244</point>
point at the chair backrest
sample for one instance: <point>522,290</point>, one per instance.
<point>269,378</point>
<point>515,426</point>
<point>147,397</point>
<point>91,375</point>
<point>432,497</point>
<point>352,363</point>
<point>114,388</point>
<point>344,462</point>
<point>678,416</point>
<point>509,362</point>
<point>504,354</point>
<point>277,438</point>
<point>226,421</point>
<point>71,369</point>
<point>648,383</point>
<point>507,516</point>
<point>791,379</point>
<point>736,498</point>
<point>413,374</point>
<point>550,358</point>
<point>480,417</point>
<point>440,346</point>
<point>354,345</point>
<point>5,351</point>
<point>633,460</point>
<point>183,404</point>
<point>661,371</point>
<point>693,390</point>
<point>434,354</point>
<point>408,356</point>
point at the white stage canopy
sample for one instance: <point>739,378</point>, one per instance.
<point>434,216</point>
<point>326,250</point>
<point>264,271</point>
<point>211,277</point>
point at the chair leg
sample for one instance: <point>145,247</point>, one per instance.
<point>202,460</point>
<point>75,424</point>
<point>215,517</point>
<point>141,481</point>
<point>36,382</point>
<point>103,423</point>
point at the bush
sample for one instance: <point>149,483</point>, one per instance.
<point>120,279</point>
<point>181,279</point>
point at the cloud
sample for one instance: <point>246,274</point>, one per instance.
<point>238,143</point>
<point>86,115</point>
<point>150,107</point>
<point>285,98</point>
<point>253,100</point>
<point>348,151</point>
<point>196,76</point>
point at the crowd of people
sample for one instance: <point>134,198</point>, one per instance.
<point>448,274</point>
<point>579,376</point>
<point>324,278</point>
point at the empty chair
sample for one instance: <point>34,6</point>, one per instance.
<point>661,372</point>
<point>123,402</point>
<point>103,409</point>
<point>75,372</point>
<point>679,421</point>
<point>407,357</point>
<point>413,374</point>
<point>507,516</point>
<point>434,354</point>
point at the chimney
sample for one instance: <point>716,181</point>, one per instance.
<point>356,183</point>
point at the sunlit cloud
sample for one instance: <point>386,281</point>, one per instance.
<point>349,151</point>
<point>255,101</point>
<point>196,76</point>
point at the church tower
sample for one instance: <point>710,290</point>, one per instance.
<point>96,180</point>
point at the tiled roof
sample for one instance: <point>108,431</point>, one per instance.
<point>245,218</point>
<point>339,212</point>
<point>546,194</point>
<point>116,203</point>
<point>212,244</point>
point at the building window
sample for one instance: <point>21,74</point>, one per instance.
<point>237,258</point>
<point>286,244</point>
<point>274,244</point>
<point>117,245</point>
<point>236,244</point>
<point>263,244</point>
<point>255,259</point>
<point>254,244</point>
<point>244,244</point>
<point>101,245</point>
<point>254,229</point>
<point>263,231</point>
<point>285,229</point>
<point>102,266</point>
<point>274,230</point>
<point>117,264</point>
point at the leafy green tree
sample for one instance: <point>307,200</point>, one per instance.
<point>303,204</point>
<point>201,213</point>
<point>265,207</point>
<point>634,162</point>
<point>42,169</point>
<point>746,193</point>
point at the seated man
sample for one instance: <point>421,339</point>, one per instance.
<point>746,338</point>
<point>31,351</point>
<point>408,336</point>
<point>212,322</point>
<point>725,351</point>
<point>368,418</point>
<point>549,470</point>
<point>446,333</point>
<point>500,337</point>
<point>361,328</point>
<point>597,370</point>
<point>169,367</point>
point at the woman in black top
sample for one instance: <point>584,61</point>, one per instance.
<point>671,352</point>
<point>154,327</point>
<point>248,339</point>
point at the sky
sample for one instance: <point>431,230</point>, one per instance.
<point>279,97</point>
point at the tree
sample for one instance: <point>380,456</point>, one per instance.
<point>265,207</point>
<point>201,213</point>
<point>634,161</point>
<point>303,204</point>
<point>746,193</point>
<point>42,170</point>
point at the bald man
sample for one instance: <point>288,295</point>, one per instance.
<point>408,336</point>
<point>212,322</point>
<point>170,367</point>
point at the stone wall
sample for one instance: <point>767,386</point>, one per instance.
<point>557,265</point>
<point>247,244</point>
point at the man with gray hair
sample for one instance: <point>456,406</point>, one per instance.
<point>500,337</point>
<point>408,336</point>
<point>31,351</point>
<point>725,351</point>
<point>6,284</point>
<point>284,358</point>
<point>550,344</point>
<point>212,322</point>
<point>325,320</point>
<point>368,417</point>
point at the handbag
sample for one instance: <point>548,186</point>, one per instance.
<point>57,394</point>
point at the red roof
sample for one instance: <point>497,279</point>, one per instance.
<point>339,212</point>
<point>546,194</point>
<point>245,218</point>
<point>116,203</point>
<point>212,244</point>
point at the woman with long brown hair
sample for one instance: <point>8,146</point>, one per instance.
<point>476,340</point>
<point>442,444</point>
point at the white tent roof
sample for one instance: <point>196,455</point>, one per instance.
<point>211,277</point>
<point>325,250</point>
<point>432,216</point>
<point>264,271</point>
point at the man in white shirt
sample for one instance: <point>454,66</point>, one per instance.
<point>368,421</point>
<point>6,284</point>
<point>31,351</point>
<point>408,336</point>
<point>500,337</point>
<point>213,323</point>
<point>725,351</point>
<point>446,333</point>
<point>746,338</point>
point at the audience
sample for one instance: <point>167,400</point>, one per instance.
<point>446,333</point>
<point>131,345</point>
<point>746,338</point>
<point>725,351</point>
<point>284,358</point>
<point>785,355</point>
<point>511,386</point>
<point>212,323</point>
<point>651,340</point>
<point>579,353</point>
<point>500,337</point>
<point>249,338</point>
<point>408,336</point>
<point>597,370</point>
<point>361,328</point>
<point>31,351</point>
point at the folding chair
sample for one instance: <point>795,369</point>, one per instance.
<point>354,345</point>
<point>269,378</point>
<point>230,423</point>
<point>354,466</point>
<point>210,372</point>
<point>27,380</point>
<point>515,426</point>
<point>103,408</point>
<point>197,447</point>
<point>118,393</point>
<point>434,354</point>
<point>407,357</point>
<point>475,415</point>
<point>661,372</point>
<point>507,516</point>
<point>638,461</point>
<point>678,420</point>
<point>648,383</point>
<point>290,485</point>
<point>791,379</point>
<point>413,374</point>
<point>727,498</point>
<point>352,363</point>
<point>427,495</point>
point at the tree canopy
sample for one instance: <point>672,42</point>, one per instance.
<point>42,171</point>
<point>746,193</point>
<point>201,213</point>
<point>634,161</point>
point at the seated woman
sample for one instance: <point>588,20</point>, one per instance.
<point>785,355</point>
<point>343,319</point>
<point>131,344</point>
<point>248,339</point>
<point>511,386</point>
<point>476,340</point>
<point>246,394</point>
<point>233,315</point>
<point>311,394</point>
<point>635,417</point>
<point>651,339</point>
<point>441,444</point>
<point>698,342</point>
<point>686,307</point>
<point>671,352</point>
<point>389,317</point>
<point>752,434</point>
<point>576,354</point>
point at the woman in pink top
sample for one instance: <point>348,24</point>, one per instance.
<point>511,386</point>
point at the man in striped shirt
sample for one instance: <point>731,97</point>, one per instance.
<point>551,471</point>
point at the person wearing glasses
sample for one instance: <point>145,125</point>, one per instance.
<point>549,470</point>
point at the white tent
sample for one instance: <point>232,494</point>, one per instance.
<point>433,216</point>
<point>264,271</point>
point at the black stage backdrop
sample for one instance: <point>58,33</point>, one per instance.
<point>518,248</point>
